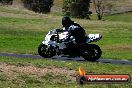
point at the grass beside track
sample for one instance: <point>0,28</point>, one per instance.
<point>31,73</point>
<point>22,32</point>
<point>126,17</point>
<point>23,35</point>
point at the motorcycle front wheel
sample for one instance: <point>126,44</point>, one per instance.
<point>45,51</point>
<point>92,52</point>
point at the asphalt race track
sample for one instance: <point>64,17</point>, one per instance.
<point>121,62</point>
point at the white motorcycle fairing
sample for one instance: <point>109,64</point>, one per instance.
<point>48,41</point>
<point>52,45</point>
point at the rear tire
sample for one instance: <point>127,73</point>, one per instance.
<point>92,52</point>
<point>45,51</point>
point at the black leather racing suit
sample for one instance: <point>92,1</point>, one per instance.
<point>77,32</point>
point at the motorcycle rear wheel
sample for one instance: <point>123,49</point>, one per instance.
<point>45,51</point>
<point>92,52</point>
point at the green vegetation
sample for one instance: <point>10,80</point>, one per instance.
<point>77,9</point>
<point>32,73</point>
<point>21,31</point>
<point>6,2</point>
<point>127,17</point>
<point>8,10</point>
<point>20,35</point>
<point>23,34</point>
<point>41,6</point>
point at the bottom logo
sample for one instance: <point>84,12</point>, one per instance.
<point>82,78</point>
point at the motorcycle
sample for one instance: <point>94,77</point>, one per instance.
<point>52,46</point>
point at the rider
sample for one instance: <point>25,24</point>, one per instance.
<point>74,30</point>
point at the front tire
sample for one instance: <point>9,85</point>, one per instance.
<point>92,52</point>
<point>45,51</point>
